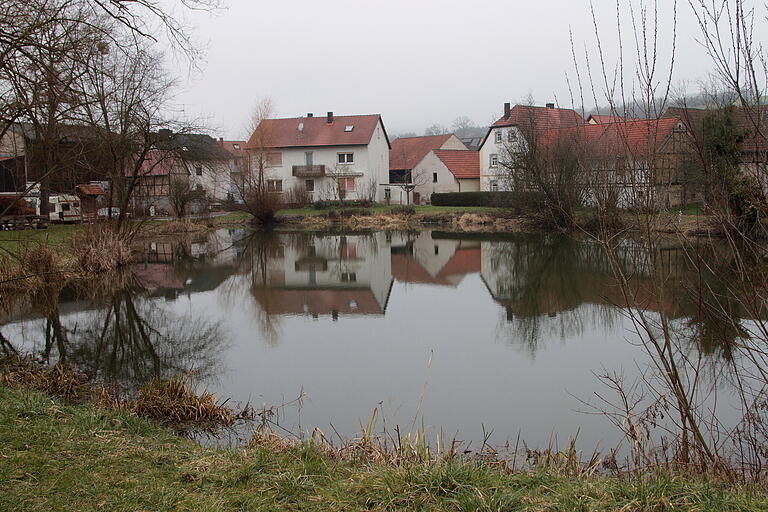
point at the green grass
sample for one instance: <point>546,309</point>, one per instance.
<point>54,234</point>
<point>58,457</point>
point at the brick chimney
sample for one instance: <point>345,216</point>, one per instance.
<point>330,117</point>
<point>550,105</point>
<point>310,114</point>
<point>507,110</point>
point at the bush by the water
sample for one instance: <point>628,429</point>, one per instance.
<point>516,200</point>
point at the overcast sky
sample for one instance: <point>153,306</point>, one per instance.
<point>416,62</point>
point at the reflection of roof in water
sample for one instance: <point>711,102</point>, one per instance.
<point>320,301</point>
<point>464,261</point>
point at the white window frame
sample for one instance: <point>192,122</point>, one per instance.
<point>497,137</point>
<point>494,160</point>
<point>275,186</point>
<point>345,158</point>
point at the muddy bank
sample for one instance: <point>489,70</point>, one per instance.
<point>666,224</point>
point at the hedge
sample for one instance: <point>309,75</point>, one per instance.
<point>518,200</point>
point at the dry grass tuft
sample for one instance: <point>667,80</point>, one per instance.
<point>100,248</point>
<point>174,401</point>
<point>60,381</point>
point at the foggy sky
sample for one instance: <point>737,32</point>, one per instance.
<point>416,62</point>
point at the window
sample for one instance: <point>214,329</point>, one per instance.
<point>497,137</point>
<point>387,194</point>
<point>434,177</point>
<point>494,186</point>
<point>437,250</point>
<point>348,277</point>
<point>512,135</point>
<point>349,128</point>
<point>236,146</point>
<point>309,185</point>
<point>346,158</point>
<point>274,185</point>
<point>65,207</point>
<point>76,204</point>
<point>494,160</point>
<point>198,170</point>
<point>347,184</point>
<point>274,159</point>
<point>308,158</point>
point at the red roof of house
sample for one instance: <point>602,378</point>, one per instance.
<point>617,139</point>
<point>407,152</point>
<point>605,119</point>
<point>89,190</point>
<point>315,131</point>
<point>462,164</point>
<point>541,118</point>
<point>235,147</point>
<point>751,121</point>
<point>157,163</point>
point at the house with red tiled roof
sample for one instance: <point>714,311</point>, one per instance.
<point>418,162</point>
<point>509,134</point>
<point>327,158</point>
<point>639,163</point>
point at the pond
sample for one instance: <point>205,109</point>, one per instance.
<point>463,335</point>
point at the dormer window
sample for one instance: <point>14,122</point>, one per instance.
<point>236,146</point>
<point>349,128</point>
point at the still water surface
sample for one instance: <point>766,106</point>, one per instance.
<point>455,333</point>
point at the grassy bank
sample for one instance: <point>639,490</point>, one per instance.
<point>59,457</point>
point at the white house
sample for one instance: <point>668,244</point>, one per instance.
<point>330,157</point>
<point>507,134</point>
<point>412,162</point>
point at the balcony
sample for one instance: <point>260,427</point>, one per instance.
<point>309,171</point>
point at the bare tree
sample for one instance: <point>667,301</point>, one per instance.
<point>256,193</point>
<point>182,195</point>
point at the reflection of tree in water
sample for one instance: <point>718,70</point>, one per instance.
<point>126,339</point>
<point>542,282</point>
<point>134,339</point>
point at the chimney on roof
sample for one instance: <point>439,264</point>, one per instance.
<point>221,139</point>
<point>507,109</point>
<point>330,117</point>
<point>550,105</point>
<point>310,114</point>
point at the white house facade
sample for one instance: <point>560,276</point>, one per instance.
<point>506,137</point>
<point>328,158</point>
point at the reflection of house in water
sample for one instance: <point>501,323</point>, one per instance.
<point>324,275</point>
<point>423,258</point>
<point>198,263</point>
